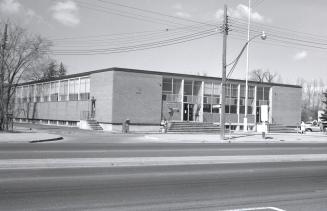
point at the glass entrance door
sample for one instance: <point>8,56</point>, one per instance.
<point>188,112</point>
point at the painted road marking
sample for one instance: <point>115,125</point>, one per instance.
<point>257,208</point>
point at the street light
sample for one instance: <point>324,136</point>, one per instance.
<point>263,36</point>
<point>245,121</point>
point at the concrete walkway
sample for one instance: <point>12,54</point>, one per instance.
<point>26,135</point>
<point>237,138</point>
<point>84,136</point>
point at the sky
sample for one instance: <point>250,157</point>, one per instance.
<point>296,44</point>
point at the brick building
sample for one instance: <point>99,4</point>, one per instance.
<point>148,97</point>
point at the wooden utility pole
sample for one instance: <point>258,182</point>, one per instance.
<point>223,78</point>
<point>2,78</point>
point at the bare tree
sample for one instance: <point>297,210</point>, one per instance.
<point>270,76</point>
<point>18,55</point>
<point>263,76</point>
<point>37,70</point>
<point>312,93</point>
<point>257,75</point>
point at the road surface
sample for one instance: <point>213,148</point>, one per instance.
<point>279,185</point>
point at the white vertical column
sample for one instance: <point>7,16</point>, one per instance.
<point>68,85</point>
<point>254,106</point>
<point>49,94</point>
<point>238,103</point>
<point>34,95</point>
<point>270,105</point>
<point>202,96</point>
<point>79,88</point>
<point>59,82</point>
<point>182,101</point>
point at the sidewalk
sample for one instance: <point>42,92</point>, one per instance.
<point>85,136</point>
<point>27,135</point>
<point>237,138</point>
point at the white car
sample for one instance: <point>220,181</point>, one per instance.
<point>311,127</point>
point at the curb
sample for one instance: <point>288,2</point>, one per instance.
<point>46,140</point>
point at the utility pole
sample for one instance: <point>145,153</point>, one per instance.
<point>2,75</point>
<point>245,127</point>
<point>225,28</point>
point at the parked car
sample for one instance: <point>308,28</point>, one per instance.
<point>312,126</point>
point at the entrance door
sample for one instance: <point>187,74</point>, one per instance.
<point>257,114</point>
<point>188,112</point>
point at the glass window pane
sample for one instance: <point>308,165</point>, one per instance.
<point>167,85</point>
<point>188,87</point>
<point>84,89</point>
<point>259,93</point>
<point>266,93</point>
<point>208,88</point>
<point>46,90</point>
<point>216,89</point>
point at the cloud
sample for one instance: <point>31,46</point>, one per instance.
<point>183,14</point>
<point>178,6</point>
<point>66,13</point>
<point>300,55</point>
<point>242,11</point>
<point>10,6</point>
<point>180,12</point>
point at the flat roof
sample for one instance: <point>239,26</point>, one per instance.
<point>154,73</point>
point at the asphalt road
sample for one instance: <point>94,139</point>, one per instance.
<point>287,186</point>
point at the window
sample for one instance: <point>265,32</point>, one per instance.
<point>167,85</point>
<point>38,92</point>
<point>54,91</point>
<point>208,89</point>
<point>73,89</point>
<point>177,86</point>
<point>61,122</point>
<point>19,94</point>
<point>188,87</point>
<point>46,92</point>
<point>25,94</point>
<point>215,109</point>
<point>85,89</point>
<point>63,90</point>
<point>207,108</point>
<point>259,93</point>
<point>197,88</point>
<point>251,92</point>
<point>216,89</point>
<point>234,90</point>
<point>31,93</point>
<point>72,124</point>
<point>266,93</point>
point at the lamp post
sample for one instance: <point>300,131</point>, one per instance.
<point>224,79</point>
<point>245,121</point>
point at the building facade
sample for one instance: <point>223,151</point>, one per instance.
<point>148,97</point>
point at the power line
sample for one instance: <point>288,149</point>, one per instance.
<point>155,12</point>
<point>167,42</point>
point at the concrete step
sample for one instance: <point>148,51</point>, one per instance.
<point>94,125</point>
<point>193,127</point>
